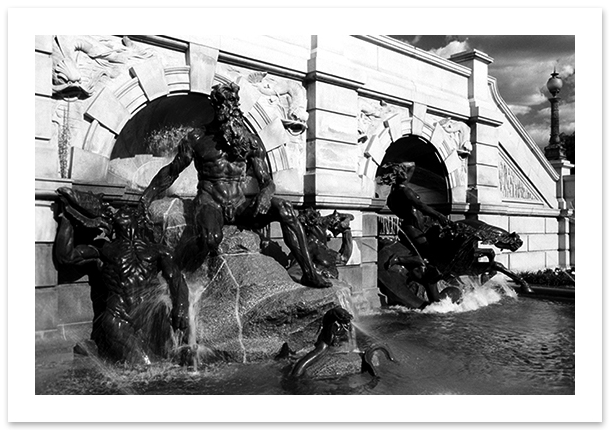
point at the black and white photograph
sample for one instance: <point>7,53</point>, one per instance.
<point>363,221</point>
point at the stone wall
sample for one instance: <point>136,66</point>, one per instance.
<point>357,95</point>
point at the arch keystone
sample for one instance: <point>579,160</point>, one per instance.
<point>151,76</point>
<point>419,117</point>
<point>202,61</point>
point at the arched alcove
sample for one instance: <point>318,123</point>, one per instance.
<point>430,179</point>
<point>116,151</point>
<point>157,128</point>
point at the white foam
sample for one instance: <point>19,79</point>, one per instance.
<point>475,296</point>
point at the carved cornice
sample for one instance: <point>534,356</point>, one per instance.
<point>223,56</point>
<point>238,60</point>
<point>163,42</point>
<point>512,119</point>
<point>475,54</point>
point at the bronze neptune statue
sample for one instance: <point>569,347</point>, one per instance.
<point>228,157</point>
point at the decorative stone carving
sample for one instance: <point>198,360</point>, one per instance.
<point>82,66</point>
<point>459,134</point>
<point>82,63</point>
<point>456,140</point>
<point>371,113</point>
<point>288,97</point>
<point>512,186</point>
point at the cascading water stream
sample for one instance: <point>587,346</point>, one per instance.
<point>345,301</point>
<point>240,337</point>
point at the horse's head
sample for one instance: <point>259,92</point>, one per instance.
<point>510,241</point>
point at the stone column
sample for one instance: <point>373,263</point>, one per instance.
<point>565,245</point>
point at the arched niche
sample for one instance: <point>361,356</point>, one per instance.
<point>114,149</point>
<point>430,179</point>
<point>425,140</point>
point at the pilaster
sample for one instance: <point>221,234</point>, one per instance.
<point>483,177</point>
<point>482,108</point>
<point>332,154</point>
<point>564,237</point>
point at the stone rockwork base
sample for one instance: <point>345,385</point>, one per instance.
<point>245,305</point>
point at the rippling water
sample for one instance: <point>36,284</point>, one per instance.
<point>493,343</point>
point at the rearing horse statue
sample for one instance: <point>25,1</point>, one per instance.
<point>448,249</point>
<point>457,252</point>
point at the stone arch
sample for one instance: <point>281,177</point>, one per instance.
<point>400,126</point>
<point>110,110</point>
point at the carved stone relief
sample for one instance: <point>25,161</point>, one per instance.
<point>512,186</point>
<point>82,65</point>
<point>371,113</point>
<point>458,134</point>
<point>288,97</point>
<point>456,147</point>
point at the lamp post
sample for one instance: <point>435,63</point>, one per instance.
<point>554,150</point>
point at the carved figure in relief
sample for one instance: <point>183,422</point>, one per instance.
<point>459,133</point>
<point>511,185</point>
<point>371,113</point>
<point>228,157</point>
<point>289,97</point>
<point>80,63</point>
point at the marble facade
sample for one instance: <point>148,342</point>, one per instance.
<point>327,109</point>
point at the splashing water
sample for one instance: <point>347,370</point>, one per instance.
<point>196,290</point>
<point>108,371</point>
<point>240,335</point>
<point>474,296</point>
<point>346,303</point>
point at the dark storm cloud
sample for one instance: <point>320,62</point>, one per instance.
<point>524,46</point>
<point>522,65</point>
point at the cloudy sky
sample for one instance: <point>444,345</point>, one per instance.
<point>522,65</point>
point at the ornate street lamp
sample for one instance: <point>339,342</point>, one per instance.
<point>554,150</point>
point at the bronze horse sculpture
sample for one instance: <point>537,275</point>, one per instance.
<point>404,276</point>
<point>431,247</point>
<point>457,251</point>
